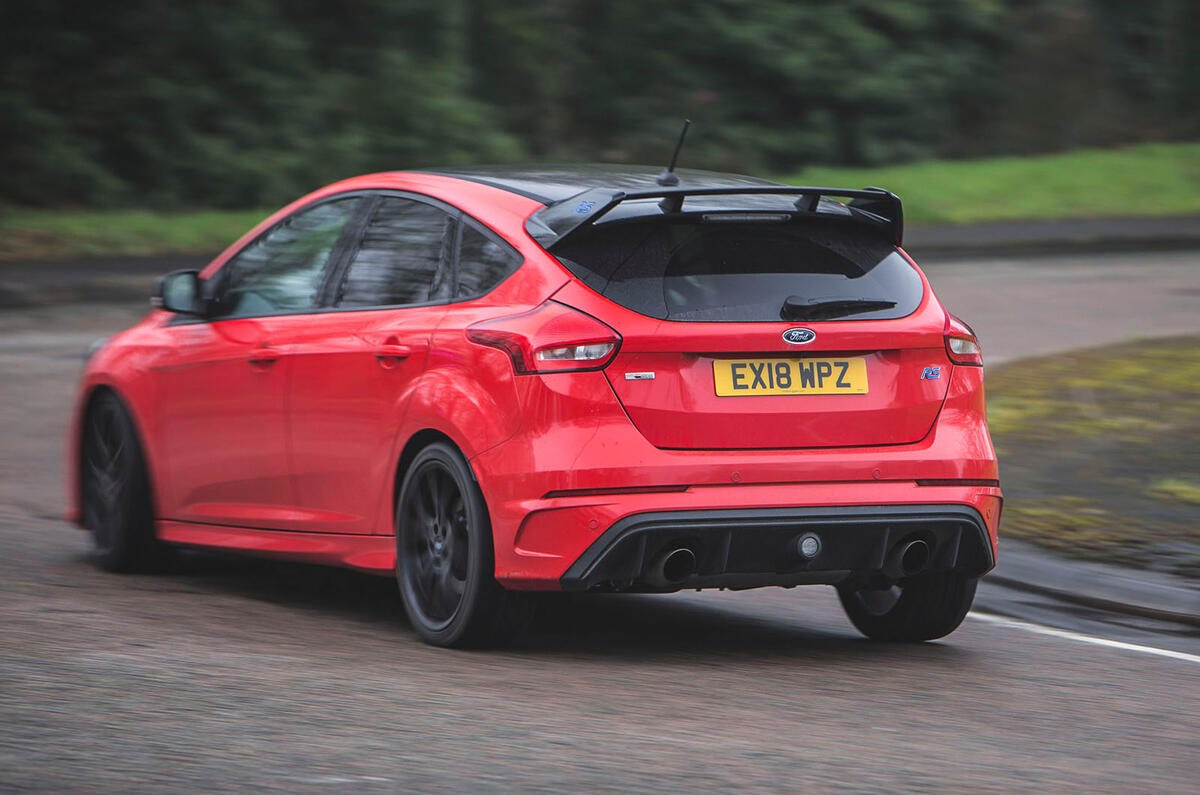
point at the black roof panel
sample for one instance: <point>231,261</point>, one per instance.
<point>552,183</point>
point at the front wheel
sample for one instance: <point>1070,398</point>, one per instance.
<point>444,556</point>
<point>116,499</point>
<point>925,607</point>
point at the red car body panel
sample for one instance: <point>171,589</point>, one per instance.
<point>679,410</point>
<point>284,435</point>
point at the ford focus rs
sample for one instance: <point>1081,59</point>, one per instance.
<point>504,380</point>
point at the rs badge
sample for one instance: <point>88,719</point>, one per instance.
<point>930,373</point>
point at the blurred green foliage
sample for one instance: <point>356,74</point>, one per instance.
<point>243,103</point>
<point>1146,179</point>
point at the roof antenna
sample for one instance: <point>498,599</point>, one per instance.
<point>669,179</point>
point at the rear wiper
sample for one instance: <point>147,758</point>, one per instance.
<point>797,308</point>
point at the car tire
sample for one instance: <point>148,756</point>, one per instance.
<point>925,607</point>
<point>445,562</point>
<point>115,491</point>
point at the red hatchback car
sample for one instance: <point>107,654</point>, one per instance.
<point>515,379</point>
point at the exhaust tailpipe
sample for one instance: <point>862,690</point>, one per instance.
<point>672,567</point>
<point>906,559</point>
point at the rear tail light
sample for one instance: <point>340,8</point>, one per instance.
<point>553,338</point>
<point>591,352</point>
<point>962,346</point>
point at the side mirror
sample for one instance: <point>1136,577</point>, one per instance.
<point>179,292</point>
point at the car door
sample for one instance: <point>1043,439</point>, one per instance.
<point>224,378</point>
<point>354,367</point>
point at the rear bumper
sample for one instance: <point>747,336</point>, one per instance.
<point>577,467</point>
<point>547,537</point>
<point>756,547</point>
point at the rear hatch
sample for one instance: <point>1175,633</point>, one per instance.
<point>762,334</point>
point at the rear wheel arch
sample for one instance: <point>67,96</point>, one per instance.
<point>415,444</point>
<point>454,401</point>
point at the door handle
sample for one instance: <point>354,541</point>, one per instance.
<point>391,352</point>
<point>263,357</point>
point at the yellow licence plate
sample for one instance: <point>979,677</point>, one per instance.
<point>790,377</point>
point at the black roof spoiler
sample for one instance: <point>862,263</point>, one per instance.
<point>551,224</point>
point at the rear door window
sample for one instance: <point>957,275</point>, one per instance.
<point>403,257</point>
<point>739,272</point>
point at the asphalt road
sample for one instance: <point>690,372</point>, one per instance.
<point>1035,307</point>
<point>232,674</point>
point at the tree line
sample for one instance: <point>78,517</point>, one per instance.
<point>241,103</point>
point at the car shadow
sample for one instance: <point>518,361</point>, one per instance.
<point>612,626</point>
<point>339,593</point>
<point>674,626</point>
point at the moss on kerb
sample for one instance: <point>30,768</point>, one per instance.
<point>1182,489</point>
<point>1098,451</point>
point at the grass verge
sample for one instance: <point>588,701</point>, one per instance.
<point>32,235</point>
<point>1098,452</point>
<point>1149,179</point>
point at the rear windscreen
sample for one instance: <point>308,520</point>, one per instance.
<point>742,271</point>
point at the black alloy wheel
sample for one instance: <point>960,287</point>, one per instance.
<point>444,557</point>
<point>925,607</point>
<point>436,545</point>
<point>115,490</point>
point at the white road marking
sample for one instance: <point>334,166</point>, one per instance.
<point>1066,634</point>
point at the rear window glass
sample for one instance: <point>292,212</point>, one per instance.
<point>740,271</point>
<point>483,262</point>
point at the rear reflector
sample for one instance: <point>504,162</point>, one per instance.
<point>603,492</point>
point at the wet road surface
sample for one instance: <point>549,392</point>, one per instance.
<point>229,673</point>
<point>1035,307</point>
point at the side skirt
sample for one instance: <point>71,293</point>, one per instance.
<point>369,553</point>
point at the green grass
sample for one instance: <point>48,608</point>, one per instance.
<point>1097,451</point>
<point>63,234</point>
<point>1149,179</point>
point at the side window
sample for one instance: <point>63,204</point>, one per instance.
<point>403,256</point>
<point>483,262</point>
<point>282,271</point>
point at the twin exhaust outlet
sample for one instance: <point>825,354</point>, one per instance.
<point>905,559</point>
<point>672,567</point>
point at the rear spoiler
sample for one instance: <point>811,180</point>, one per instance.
<point>877,207</point>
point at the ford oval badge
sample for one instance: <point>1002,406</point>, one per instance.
<point>799,336</point>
